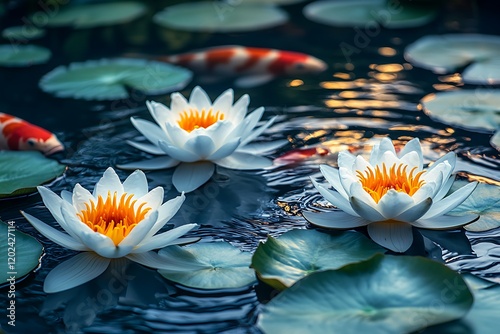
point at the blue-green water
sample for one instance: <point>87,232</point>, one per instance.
<point>348,106</point>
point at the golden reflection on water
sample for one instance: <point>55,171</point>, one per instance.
<point>295,83</point>
<point>443,87</point>
<point>387,51</point>
<point>387,68</point>
<point>311,135</point>
<point>362,104</point>
<point>341,75</point>
<point>452,78</point>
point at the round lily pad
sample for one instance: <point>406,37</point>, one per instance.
<point>19,253</point>
<point>475,110</point>
<point>107,79</point>
<point>12,55</point>
<point>445,53</point>
<point>22,33</point>
<point>485,202</point>
<point>297,253</point>
<point>92,15</point>
<point>384,295</point>
<point>219,16</point>
<point>483,73</point>
<point>219,265</point>
<point>370,13</point>
<point>22,171</point>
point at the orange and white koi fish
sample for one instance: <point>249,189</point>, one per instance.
<point>252,66</point>
<point>17,134</point>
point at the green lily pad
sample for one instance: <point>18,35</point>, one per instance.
<point>93,15</point>
<point>483,73</point>
<point>297,253</point>
<point>485,202</point>
<point>21,261</point>
<point>475,110</point>
<point>220,16</point>
<point>12,55</point>
<point>22,171</point>
<point>495,140</point>
<point>217,265</point>
<point>384,295</point>
<point>446,53</point>
<point>107,79</point>
<point>352,13</point>
<point>22,33</point>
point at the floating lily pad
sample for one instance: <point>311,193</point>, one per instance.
<point>219,16</point>
<point>445,53</point>
<point>22,248</point>
<point>485,202</point>
<point>22,171</point>
<point>12,55</point>
<point>495,140</point>
<point>93,15</point>
<point>386,294</point>
<point>295,254</point>
<point>353,13</point>
<point>475,110</point>
<point>107,79</point>
<point>483,73</point>
<point>218,265</point>
<point>22,33</point>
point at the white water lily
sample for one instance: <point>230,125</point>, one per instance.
<point>390,193</point>
<point>197,135</point>
<point>116,220</point>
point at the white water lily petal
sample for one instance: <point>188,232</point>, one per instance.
<point>412,160</point>
<point>450,202</point>
<point>52,202</point>
<point>360,164</point>
<point>335,199</point>
<point>139,232</point>
<point>225,150</point>
<point>445,222</point>
<point>393,203</point>
<point>202,146</point>
<point>251,122</point>
<point>178,154</point>
<point>360,193</point>
<point>347,179</point>
<point>151,164</point>
<point>239,109</point>
<point>151,131</point>
<point>395,236</point>
<point>414,212</point>
<point>164,239</point>
<point>152,199</point>
<point>54,235</point>
<point>78,270</point>
<point>346,160</point>
<point>189,176</point>
<point>224,101</point>
<point>256,133</point>
<point>67,196</point>
<point>244,161</point>
<point>109,183</point>
<point>445,188</point>
<point>80,197</point>
<point>336,219</point>
<point>200,99</point>
<point>136,183</point>
<point>449,157</point>
<point>166,212</point>
<point>179,103</point>
<point>148,148</point>
<point>332,176</point>
<point>160,113</point>
<point>378,151</point>
<point>413,147</point>
<point>365,210</point>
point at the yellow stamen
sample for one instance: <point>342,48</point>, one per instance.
<point>194,119</point>
<point>379,181</point>
<point>113,217</point>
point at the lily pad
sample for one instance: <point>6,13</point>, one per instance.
<point>107,79</point>
<point>24,250</point>
<point>483,73</point>
<point>495,140</point>
<point>213,265</point>
<point>297,253</point>
<point>485,202</point>
<point>22,33</point>
<point>384,295</point>
<point>475,110</point>
<point>93,15</point>
<point>446,53</point>
<point>22,171</point>
<point>12,55</point>
<point>351,13</point>
<point>220,16</point>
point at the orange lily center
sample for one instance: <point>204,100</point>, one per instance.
<point>194,119</point>
<point>377,182</point>
<point>114,217</point>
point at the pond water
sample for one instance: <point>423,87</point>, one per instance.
<point>354,103</point>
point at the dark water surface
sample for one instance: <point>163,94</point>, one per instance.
<point>355,102</point>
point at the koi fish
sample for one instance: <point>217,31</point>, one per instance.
<point>252,66</point>
<point>17,134</point>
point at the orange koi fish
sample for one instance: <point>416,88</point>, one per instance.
<point>252,66</point>
<point>17,134</point>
